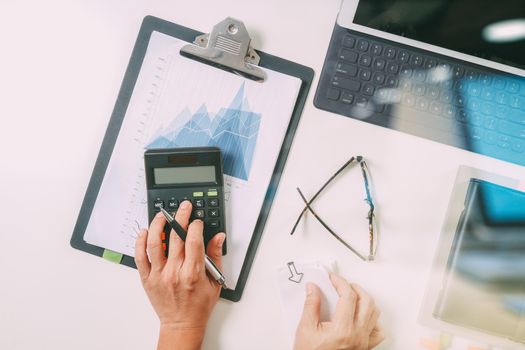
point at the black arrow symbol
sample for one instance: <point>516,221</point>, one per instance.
<point>296,276</point>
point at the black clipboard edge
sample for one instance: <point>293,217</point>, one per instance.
<point>150,24</point>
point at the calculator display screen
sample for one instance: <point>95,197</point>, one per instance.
<point>184,175</point>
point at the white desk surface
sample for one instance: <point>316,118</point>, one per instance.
<point>61,66</point>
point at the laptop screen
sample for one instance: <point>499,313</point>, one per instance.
<point>493,30</point>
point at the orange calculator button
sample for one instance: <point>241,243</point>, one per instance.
<point>163,236</point>
<point>164,246</point>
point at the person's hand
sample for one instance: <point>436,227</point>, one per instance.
<point>353,326</point>
<point>178,287</point>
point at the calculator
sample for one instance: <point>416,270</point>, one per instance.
<point>174,175</point>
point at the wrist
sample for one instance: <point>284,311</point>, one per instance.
<point>177,336</point>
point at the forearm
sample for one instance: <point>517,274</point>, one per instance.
<point>172,337</point>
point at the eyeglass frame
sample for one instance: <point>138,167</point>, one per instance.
<point>373,234</point>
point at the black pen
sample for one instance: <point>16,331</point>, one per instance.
<point>212,269</point>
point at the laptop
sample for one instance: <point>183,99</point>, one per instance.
<point>449,71</point>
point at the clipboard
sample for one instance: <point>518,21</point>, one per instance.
<point>246,67</point>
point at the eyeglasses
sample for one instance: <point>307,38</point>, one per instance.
<point>372,229</point>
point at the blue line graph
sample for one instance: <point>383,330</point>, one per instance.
<point>234,130</point>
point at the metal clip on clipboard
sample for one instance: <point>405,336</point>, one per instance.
<point>227,47</point>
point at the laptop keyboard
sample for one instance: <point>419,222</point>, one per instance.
<point>425,94</point>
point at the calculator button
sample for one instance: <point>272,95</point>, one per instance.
<point>212,193</point>
<point>198,214</point>
<point>198,194</point>
<point>163,236</point>
<point>213,213</point>
<point>213,202</point>
<point>158,204</point>
<point>164,246</point>
<point>198,203</point>
<point>173,204</point>
<point>214,223</point>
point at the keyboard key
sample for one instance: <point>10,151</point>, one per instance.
<point>406,72</point>
<point>158,204</point>
<point>502,97</point>
<point>213,213</point>
<point>499,83</point>
<point>475,119</point>
<point>391,81</point>
<point>490,123</point>
<point>436,107</point>
<point>346,69</point>
<point>409,100</point>
<point>390,52</point>
<point>422,104</point>
<point>517,102</point>
<point>213,223</point>
<point>376,49</point>
<point>333,94</point>
<point>458,72</point>
<point>362,45</point>
<point>433,91</point>
<point>488,108</point>
<point>365,74</point>
<point>461,116</point>
<point>392,68</point>
<point>490,137</point>
<point>173,204</point>
<point>518,146</point>
<point>347,97</point>
<point>198,214</point>
<point>379,78</point>
<point>365,60</point>
<point>419,89</point>
<point>515,116</point>
<point>449,111</point>
<point>362,102</point>
<point>379,64</point>
<point>430,63</point>
<point>416,60</point>
<point>487,94</point>
<point>503,112</point>
<point>513,87</point>
<point>198,203</point>
<point>511,129</point>
<point>420,75</point>
<point>485,79</point>
<point>405,85</point>
<point>213,202</point>
<point>474,90</point>
<point>471,75</point>
<point>504,141</point>
<point>345,83</point>
<point>403,56</point>
<point>368,89</point>
<point>348,41</point>
<point>349,56</point>
<point>447,96</point>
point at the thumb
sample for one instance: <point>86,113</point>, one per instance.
<point>214,249</point>
<point>312,306</point>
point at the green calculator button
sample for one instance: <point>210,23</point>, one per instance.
<point>198,194</point>
<point>213,193</point>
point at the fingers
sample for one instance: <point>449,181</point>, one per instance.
<point>155,250</point>
<point>365,307</point>
<point>183,214</point>
<point>312,307</point>
<point>194,247</point>
<point>376,337</point>
<point>346,306</point>
<point>141,257</point>
<point>214,249</point>
<point>176,250</point>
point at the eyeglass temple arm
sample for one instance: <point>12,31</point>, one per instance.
<point>319,192</point>
<point>308,207</point>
